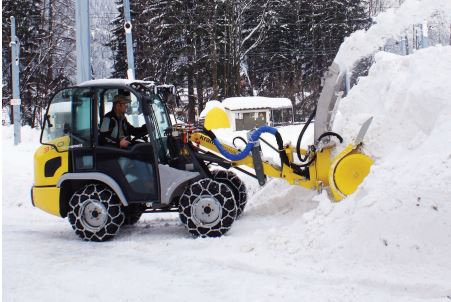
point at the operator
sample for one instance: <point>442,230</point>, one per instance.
<point>115,129</point>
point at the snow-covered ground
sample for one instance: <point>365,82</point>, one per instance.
<point>390,241</point>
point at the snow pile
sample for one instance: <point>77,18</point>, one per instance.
<point>398,222</point>
<point>389,24</point>
<point>395,231</point>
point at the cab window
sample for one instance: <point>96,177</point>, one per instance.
<point>68,120</point>
<point>134,115</point>
<point>161,117</point>
<point>161,124</point>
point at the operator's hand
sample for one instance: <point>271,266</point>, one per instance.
<point>124,143</point>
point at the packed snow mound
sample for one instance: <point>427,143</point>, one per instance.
<point>409,99</point>
<point>401,214</point>
<point>389,24</point>
<point>397,226</point>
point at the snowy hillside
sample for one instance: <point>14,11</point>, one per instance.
<point>390,241</point>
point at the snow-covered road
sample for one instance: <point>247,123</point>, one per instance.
<point>157,261</point>
<point>275,252</point>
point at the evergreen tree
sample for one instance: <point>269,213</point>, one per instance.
<point>238,47</point>
<point>118,45</point>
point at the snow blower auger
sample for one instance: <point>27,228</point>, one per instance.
<point>340,175</point>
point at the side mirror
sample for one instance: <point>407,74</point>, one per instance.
<point>146,101</point>
<point>67,128</point>
<point>47,118</point>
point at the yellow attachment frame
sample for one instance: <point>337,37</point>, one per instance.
<point>341,176</point>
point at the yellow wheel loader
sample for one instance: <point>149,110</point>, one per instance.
<point>100,188</point>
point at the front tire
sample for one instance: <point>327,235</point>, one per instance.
<point>95,213</point>
<point>207,208</point>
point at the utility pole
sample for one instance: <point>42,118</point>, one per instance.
<point>425,36</point>
<point>129,41</point>
<point>82,29</point>
<point>130,56</point>
<point>403,45</point>
<point>15,102</point>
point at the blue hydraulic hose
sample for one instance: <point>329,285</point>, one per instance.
<point>255,135</point>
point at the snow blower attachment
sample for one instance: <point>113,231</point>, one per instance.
<point>340,175</point>
<point>315,169</point>
<point>101,187</point>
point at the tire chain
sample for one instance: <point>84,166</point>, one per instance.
<point>222,193</point>
<point>114,209</point>
<point>231,179</point>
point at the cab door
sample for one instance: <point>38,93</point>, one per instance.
<point>133,168</point>
<point>67,127</point>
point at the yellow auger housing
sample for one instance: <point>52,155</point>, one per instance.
<point>347,171</point>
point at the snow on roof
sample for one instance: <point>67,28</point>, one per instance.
<point>210,105</point>
<point>255,102</point>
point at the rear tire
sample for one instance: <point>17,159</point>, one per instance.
<point>207,208</point>
<point>95,213</point>
<point>236,184</point>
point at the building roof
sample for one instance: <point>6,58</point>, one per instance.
<point>255,102</point>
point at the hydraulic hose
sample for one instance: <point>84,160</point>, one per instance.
<point>239,138</point>
<point>298,145</point>
<point>330,133</point>
<point>255,135</point>
<point>280,149</point>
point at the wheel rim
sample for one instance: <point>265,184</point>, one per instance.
<point>206,211</point>
<point>94,215</point>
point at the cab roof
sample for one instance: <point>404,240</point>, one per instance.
<point>114,82</point>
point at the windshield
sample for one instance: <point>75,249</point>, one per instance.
<point>161,123</point>
<point>161,116</point>
<point>68,120</point>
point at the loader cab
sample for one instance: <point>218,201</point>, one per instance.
<point>71,132</point>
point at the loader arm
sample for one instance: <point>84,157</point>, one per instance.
<point>269,169</point>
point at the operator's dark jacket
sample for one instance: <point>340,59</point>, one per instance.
<point>110,129</point>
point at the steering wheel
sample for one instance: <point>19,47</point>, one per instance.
<point>142,138</point>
